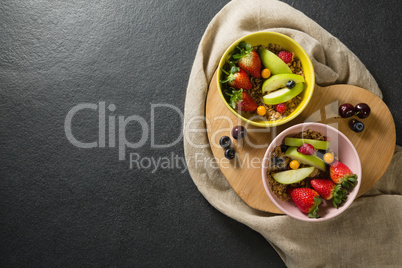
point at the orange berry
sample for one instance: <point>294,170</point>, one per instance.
<point>294,164</point>
<point>328,158</point>
<point>261,110</point>
<point>265,73</point>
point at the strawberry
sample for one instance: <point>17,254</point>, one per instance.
<point>242,101</point>
<point>306,200</point>
<point>328,190</point>
<point>286,56</point>
<point>251,63</point>
<point>247,59</point>
<point>237,78</point>
<point>341,174</point>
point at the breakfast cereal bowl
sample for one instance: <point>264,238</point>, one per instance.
<point>337,145</point>
<point>295,98</point>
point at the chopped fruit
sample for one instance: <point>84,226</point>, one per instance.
<point>306,149</point>
<point>239,132</point>
<point>328,158</point>
<point>230,153</point>
<point>292,176</point>
<point>237,78</point>
<point>306,200</point>
<point>356,126</point>
<point>242,101</point>
<point>261,110</point>
<point>310,160</point>
<point>362,110</point>
<point>282,95</point>
<point>286,56</point>
<point>225,142</point>
<point>346,110</point>
<point>319,145</point>
<point>294,164</point>
<point>341,174</point>
<point>281,108</point>
<point>290,84</point>
<point>328,190</point>
<point>265,73</point>
<point>273,62</point>
<point>280,81</point>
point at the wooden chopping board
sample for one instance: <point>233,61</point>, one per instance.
<point>375,145</point>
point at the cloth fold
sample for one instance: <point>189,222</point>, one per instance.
<point>366,234</point>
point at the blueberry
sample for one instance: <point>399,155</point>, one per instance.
<point>284,148</point>
<point>230,153</point>
<point>277,161</point>
<point>239,132</point>
<point>290,84</point>
<point>357,126</point>
<point>225,142</point>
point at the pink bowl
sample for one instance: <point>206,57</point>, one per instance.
<point>342,147</point>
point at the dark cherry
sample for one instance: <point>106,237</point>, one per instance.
<point>239,132</point>
<point>346,110</point>
<point>362,110</point>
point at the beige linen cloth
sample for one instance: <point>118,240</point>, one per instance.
<point>367,234</point>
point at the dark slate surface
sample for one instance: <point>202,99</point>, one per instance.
<point>63,205</point>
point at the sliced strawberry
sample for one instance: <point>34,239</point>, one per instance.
<point>286,56</point>
<point>247,59</point>
<point>328,190</point>
<point>341,174</point>
<point>306,200</point>
<point>242,101</point>
<point>237,78</point>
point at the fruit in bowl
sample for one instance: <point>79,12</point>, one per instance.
<point>265,78</point>
<point>319,174</point>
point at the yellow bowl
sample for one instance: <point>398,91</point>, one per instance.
<point>287,43</point>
